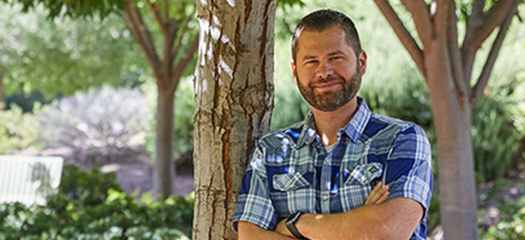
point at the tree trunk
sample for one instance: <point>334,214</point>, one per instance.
<point>233,101</point>
<point>2,96</point>
<point>164,168</point>
<point>456,163</point>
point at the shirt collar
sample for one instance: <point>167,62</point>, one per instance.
<point>353,129</point>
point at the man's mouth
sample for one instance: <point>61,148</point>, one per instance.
<point>327,85</point>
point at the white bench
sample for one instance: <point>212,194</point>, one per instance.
<point>29,179</point>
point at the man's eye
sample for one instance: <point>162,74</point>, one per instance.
<point>311,62</point>
<point>336,58</point>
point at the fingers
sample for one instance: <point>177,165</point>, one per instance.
<point>378,195</point>
<point>374,195</point>
<point>383,198</point>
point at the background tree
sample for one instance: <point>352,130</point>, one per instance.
<point>168,56</point>
<point>63,56</point>
<point>447,68</point>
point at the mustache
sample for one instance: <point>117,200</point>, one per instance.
<point>327,80</point>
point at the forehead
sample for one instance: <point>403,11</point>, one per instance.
<point>311,42</point>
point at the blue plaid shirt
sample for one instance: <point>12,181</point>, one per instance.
<point>290,170</point>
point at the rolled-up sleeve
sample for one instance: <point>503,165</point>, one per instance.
<point>254,204</point>
<point>409,167</point>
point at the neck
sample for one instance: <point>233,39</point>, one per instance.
<point>328,123</point>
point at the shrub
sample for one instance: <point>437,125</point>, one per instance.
<point>104,120</point>
<point>17,130</point>
<point>495,140</point>
<point>512,224</point>
<point>78,211</point>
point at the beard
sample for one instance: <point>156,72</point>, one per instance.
<point>332,100</point>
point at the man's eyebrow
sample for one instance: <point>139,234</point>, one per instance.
<point>335,53</point>
<point>308,57</point>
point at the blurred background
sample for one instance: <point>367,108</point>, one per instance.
<point>82,89</point>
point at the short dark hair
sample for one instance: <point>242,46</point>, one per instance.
<point>323,19</point>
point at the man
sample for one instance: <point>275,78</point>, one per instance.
<point>314,180</point>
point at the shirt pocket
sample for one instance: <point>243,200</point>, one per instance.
<point>359,184</point>
<point>292,193</point>
<point>364,174</point>
<point>289,181</point>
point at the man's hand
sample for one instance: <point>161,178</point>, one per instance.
<point>378,195</point>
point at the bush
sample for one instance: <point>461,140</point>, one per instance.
<point>512,224</point>
<point>495,140</point>
<point>103,120</point>
<point>79,211</point>
<point>17,130</point>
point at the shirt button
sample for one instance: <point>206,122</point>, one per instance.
<point>363,179</point>
<point>292,185</point>
<point>325,197</point>
<point>327,161</point>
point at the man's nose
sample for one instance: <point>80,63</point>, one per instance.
<point>325,70</point>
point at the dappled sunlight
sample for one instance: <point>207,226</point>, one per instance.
<point>231,2</point>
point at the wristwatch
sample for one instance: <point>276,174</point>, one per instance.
<point>290,224</point>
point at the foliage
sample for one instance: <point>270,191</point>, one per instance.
<point>495,140</point>
<point>512,223</point>
<point>26,101</point>
<point>18,130</point>
<point>72,213</point>
<point>75,8</point>
<point>105,120</point>
<point>64,55</point>
<point>90,189</point>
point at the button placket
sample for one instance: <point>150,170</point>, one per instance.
<point>325,184</point>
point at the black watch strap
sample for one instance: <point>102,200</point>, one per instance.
<point>290,224</point>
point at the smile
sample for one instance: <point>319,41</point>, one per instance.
<point>327,85</point>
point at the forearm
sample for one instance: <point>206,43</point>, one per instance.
<point>250,231</point>
<point>355,224</point>
<point>390,220</point>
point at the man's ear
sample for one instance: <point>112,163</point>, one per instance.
<point>294,71</point>
<point>362,62</point>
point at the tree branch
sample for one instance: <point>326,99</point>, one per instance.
<point>477,7</point>
<point>493,54</point>
<point>143,36</point>
<point>184,61</point>
<point>402,33</point>
<point>441,19</point>
<point>468,49</point>
<point>156,13</point>
<point>455,55</point>
<point>489,21</point>
<point>421,17</point>
<point>179,41</point>
<point>166,9</point>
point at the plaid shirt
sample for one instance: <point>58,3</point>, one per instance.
<point>290,170</point>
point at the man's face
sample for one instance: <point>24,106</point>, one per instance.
<point>326,69</point>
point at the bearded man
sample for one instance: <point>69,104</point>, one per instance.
<point>344,172</point>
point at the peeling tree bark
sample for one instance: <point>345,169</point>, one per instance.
<point>233,101</point>
<point>447,70</point>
